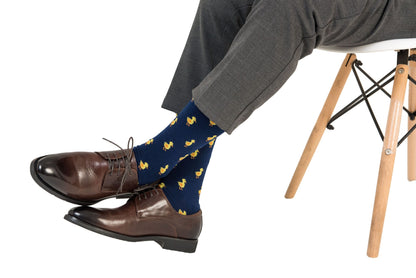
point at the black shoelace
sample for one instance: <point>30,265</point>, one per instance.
<point>128,155</point>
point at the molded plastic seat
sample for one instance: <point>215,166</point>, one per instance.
<point>389,45</point>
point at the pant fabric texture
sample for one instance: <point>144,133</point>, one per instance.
<point>239,53</point>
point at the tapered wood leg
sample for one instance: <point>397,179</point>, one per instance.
<point>321,124</point>
<point>387,160</point>
<point>411,141</point>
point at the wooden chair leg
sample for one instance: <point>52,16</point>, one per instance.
<point>387,160</point>
<point>321,124</point>
<point>411,141</point>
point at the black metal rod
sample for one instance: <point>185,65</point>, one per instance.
<point>375,82</point>
<point>381,88</point>
<point>360,98</point>
<point>368,103</point>
<point>412,80</point>
<point>407,135</point>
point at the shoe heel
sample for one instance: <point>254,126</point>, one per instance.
<point>177,244</point>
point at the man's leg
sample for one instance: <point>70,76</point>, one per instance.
<point>215,25</point>
<point>275,36</point>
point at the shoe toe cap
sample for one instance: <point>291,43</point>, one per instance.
<point>88,214</point>
<point>48,168</point>
<point>83,212</point>
<point>55,171</point>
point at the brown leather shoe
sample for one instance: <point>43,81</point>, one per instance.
<point>85,178</point>
<point>147,216</point>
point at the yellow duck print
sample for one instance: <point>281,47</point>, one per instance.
<point>190,121</point>
<point>194,154</point>
<point>167,146</point>
<point>174,122</point>
<point>211,138</point>
<point>149,142</point>
<point>189,143</point>
<point>162,185</point>
<point>199,173</point>
<point>211,123</point>
<point>182,184</point>
<point>183,157</point>
<point>199,191</point>
<point>163,170</point>
<point>211,143</point>
<point>143,165</point>
<point>182,212</point>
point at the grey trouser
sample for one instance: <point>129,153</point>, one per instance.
<point>240,52</point>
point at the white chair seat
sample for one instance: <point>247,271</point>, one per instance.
<point>389,45</point>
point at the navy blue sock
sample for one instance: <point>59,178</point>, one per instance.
<point>183,185</point>
<point>191,130</point>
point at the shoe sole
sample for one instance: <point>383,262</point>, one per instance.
<point>56,193</point>
<point>169,243</point>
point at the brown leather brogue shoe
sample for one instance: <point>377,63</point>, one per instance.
<point>147,216</point>
<point>85,178</point>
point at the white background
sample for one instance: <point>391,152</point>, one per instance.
<point>72,72</point>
